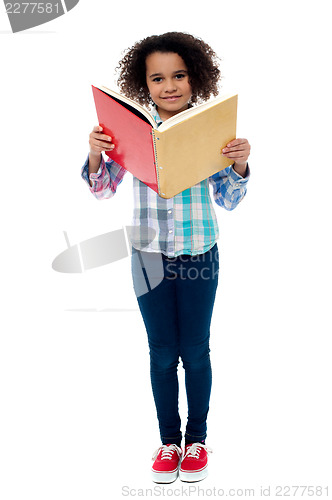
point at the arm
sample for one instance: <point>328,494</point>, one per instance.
<point>230,184</point>
<point>102,178</point>
<point>94,163</point>
<point>229,187</point>
<point>103,183</point>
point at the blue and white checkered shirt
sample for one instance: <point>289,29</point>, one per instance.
<point>184,224</point>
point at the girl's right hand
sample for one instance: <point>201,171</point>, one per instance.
<point>99,142</point>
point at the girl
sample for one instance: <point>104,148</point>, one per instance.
<point>172,72</point>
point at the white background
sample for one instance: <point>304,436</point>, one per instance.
<point>77,416</point>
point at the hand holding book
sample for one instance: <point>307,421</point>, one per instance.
<point>239,150</point>
<point>99,142</point>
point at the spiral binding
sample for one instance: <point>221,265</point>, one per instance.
<point>156,157</point>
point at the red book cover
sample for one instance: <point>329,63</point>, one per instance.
<point>131,135</point>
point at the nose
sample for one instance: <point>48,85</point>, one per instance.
<point>169,85</point>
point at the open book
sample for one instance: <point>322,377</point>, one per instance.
<point>183,151</point>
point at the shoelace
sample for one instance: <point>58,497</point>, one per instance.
<point>194,450</point>
<point>167,451</point>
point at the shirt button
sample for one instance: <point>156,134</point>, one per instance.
<point>169,211</point>
<point>170,231</point>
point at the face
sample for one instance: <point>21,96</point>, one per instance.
<point>168,83</point>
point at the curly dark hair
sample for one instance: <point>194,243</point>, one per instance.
<point>200,59</point>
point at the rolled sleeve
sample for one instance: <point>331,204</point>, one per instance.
<point>229,187</point>
<point>106,180</point>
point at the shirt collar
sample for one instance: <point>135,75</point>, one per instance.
<point>155,115</point>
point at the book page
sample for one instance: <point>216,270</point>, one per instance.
<point>187,113</point>
<point>131,105</point>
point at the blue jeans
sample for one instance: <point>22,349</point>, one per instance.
<point>177,316</point>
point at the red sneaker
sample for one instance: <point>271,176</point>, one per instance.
<point>166,463</point>
<point>194,466</point>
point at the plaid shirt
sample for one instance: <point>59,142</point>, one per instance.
<point>184,224</point>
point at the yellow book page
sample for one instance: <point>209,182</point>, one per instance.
<point>190,151</point>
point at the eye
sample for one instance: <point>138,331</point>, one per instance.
<point>179,76</point>
<point>157,79</point>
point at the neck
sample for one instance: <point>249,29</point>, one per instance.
<point>165,114</point>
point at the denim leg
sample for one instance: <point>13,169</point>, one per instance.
<point>177,316</point>
<point>196,292</point>
<point>164,380</point>
<point>159,312</point>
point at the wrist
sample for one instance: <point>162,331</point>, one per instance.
<point>240,168</point>
<point>94,154</point>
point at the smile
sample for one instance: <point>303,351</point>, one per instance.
<point>172,98</point>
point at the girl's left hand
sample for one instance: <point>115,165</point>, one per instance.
<point>239,150</point>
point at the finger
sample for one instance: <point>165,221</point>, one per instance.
<point>237,154</point>
<point>97,128</point>
<point>104,144</point>
<point>97,136</point>
<point>235,148</point>
<point>236,142</point>
<point>99,149</point>
<point>103,137</point>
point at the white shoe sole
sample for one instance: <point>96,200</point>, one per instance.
<point>191,477</point>
<point>164,477</point>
